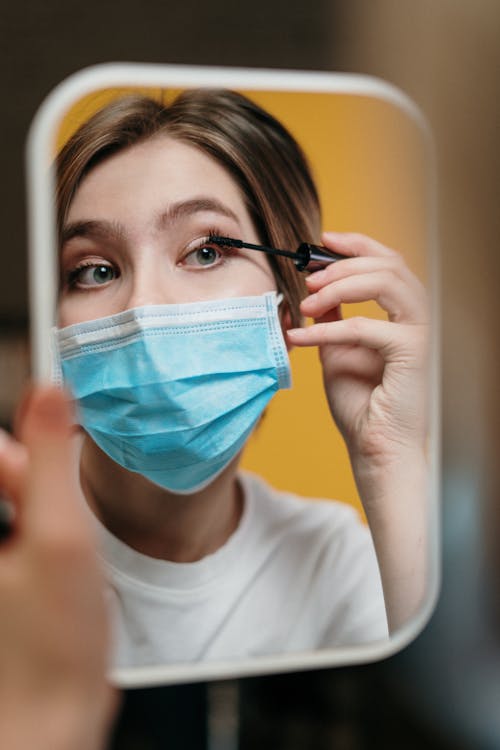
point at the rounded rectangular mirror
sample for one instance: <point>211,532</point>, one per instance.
<point>319,546</point>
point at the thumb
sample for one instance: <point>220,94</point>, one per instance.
<point>52,489</point>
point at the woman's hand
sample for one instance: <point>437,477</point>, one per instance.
<point>374,370</point>
<point>375,376</point>
<point>53,624</point>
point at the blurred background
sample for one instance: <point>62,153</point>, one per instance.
<point>443,691</point>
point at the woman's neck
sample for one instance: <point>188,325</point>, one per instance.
<point>154,521</point>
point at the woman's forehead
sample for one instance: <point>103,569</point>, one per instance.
<point>151,176</point>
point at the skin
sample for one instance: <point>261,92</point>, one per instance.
<point>374,374</point>
<point>53,624</point>
<point>148,236</point>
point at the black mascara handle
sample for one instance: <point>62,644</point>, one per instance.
<point>314,257</point>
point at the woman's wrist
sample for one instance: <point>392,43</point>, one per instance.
<point>379,474</point>
<point>394,493</point>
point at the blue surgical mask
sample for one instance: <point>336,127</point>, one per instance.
<point>173,391</point>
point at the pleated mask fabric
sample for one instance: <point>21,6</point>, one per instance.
<point>173,391</point>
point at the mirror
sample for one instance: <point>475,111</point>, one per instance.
<point>311,553</point>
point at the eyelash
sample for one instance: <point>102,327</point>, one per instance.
<point>71,277</point>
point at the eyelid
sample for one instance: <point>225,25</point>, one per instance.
<point>73,256</point>
<point>200,242</point>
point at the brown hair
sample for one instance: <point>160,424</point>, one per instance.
<point>261,156</point>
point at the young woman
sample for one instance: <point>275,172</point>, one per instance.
<point>172,346</point>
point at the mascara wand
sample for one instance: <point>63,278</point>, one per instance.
<point>306,258</point>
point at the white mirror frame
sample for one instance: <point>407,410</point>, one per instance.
<point>43,276</point>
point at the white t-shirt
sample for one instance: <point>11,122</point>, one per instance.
<point>297,574</point>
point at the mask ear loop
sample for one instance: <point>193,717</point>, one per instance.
<point>281,311</point>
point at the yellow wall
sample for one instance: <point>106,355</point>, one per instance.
<point>369,161</point>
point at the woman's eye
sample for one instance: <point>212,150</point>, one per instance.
<point>92,275</point>
<point>203,256</point>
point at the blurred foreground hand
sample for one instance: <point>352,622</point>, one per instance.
<point>53,624</point>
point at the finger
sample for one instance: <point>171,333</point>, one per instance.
<point>358,265</point>
<point>13,459</point>
<point>384,287</point>
<point>7,519</point>
<point>21,410</point>
<point>52,492</point>
<point>352,362</point>
<point>353,243</point>
<point>392,341</point>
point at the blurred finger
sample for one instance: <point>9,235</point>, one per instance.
<point>21,410</point>
<point>52,477</point>
<point>7,516</point>
<point>13,459</point>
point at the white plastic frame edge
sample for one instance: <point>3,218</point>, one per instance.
<point>43,297</point>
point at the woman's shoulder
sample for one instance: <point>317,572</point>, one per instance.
<point>282,509</point>
<point>322,541</point>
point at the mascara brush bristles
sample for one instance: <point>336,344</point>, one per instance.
<point>229,242</point>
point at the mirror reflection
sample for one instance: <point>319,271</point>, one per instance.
<point>173,345</point>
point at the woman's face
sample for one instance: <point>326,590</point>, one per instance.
<point>136,234</point>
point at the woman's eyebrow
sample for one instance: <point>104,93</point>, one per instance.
<point>185,208</point>
<point>102,229</point>
<point>92,229</point>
